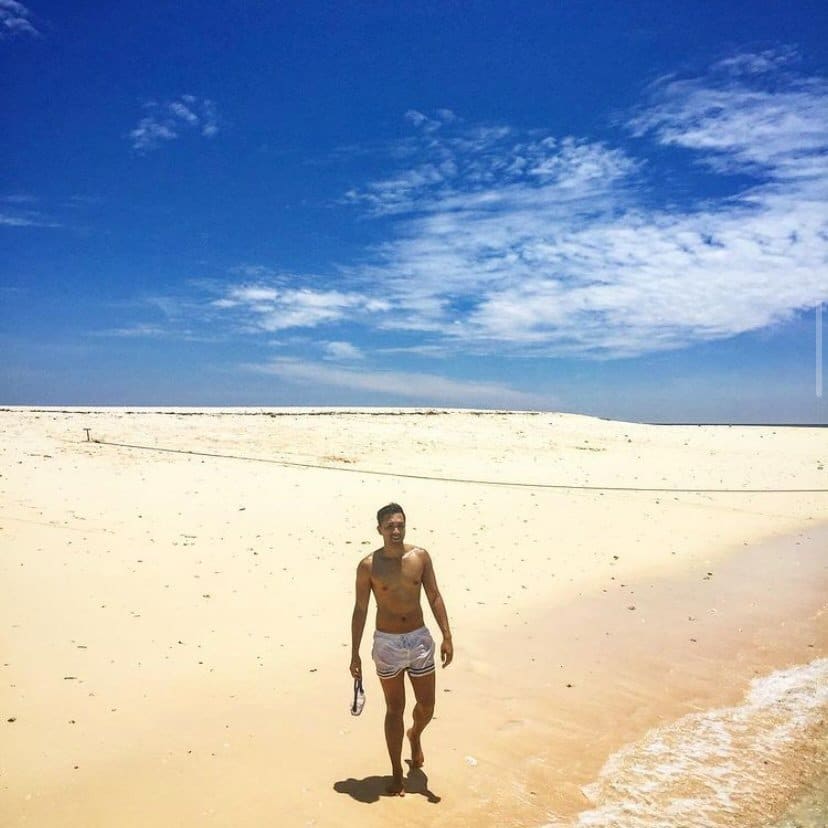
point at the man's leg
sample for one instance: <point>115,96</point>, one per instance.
<point>394,689</point>
<point>423,711</point>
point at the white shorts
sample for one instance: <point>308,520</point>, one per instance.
<point>412,651</point>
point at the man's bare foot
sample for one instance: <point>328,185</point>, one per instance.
<point>417,758</point>
<point>396,787</point>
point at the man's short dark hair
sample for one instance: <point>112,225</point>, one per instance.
<point>390,509</point>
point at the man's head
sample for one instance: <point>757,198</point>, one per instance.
<point>391,524</point>
<point>390,509</point>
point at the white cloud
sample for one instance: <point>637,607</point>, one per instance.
<point>342,351</point>
<point>540,245</point>
<point>531,244</point>
<point>166,121</point>
<point>268,307</point>
<point>14,20</point>
<point>427,124</point>
<point>739,124</point>
<point>184,113</point>
<point>428,389</point>
<point>150,133</point>
<point>415,117</point>
<point>487,166</point>
<point>756,62</point>
<point>253,293</point>
<point>138,331</point>
<point>431,351</point>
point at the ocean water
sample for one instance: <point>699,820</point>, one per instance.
<point>760,764</point>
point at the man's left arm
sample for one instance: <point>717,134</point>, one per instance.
<point>438,607</point>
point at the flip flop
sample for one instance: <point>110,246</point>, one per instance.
<point>359,698</point>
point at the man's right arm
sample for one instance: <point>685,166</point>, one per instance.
<point>363,595</point>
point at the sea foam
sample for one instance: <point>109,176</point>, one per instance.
<point>734,766</point>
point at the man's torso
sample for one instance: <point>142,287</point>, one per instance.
<point>397,584</point>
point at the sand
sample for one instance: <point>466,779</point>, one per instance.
<point>176,626</point>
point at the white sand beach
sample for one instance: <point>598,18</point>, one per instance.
<point>177,594</point>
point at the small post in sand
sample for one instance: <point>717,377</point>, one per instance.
<point>88,438</point>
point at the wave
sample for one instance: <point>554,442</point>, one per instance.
<point>733,766</point>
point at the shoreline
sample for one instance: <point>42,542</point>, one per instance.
<point>663,648</point>
<point>197,608</point>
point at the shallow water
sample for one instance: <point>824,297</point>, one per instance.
<point>736,766</point>
<point>810,808</point>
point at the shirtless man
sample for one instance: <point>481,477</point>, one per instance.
<point>395,574</point>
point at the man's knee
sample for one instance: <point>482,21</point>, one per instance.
<point>394,704</point>
<point>426,710</point>
<point>394,707</point>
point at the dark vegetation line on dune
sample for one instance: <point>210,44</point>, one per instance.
<point>409,412</point>
<point>408,476</point>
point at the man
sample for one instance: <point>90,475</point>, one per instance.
<point>395,574</point>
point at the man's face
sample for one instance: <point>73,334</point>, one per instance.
<point>392,528</point>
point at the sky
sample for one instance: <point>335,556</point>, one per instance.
<point>610,208</point>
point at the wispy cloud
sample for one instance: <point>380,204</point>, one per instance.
<point>166,121</point>
<point>15,20</point>
<point>749,114</point>
<point>26,210</point>
<point>487,164</point>
<point>527,243</point>
<point>545,245</point>
<point>27,218</point>
<point>138,331</point>
<point>269,306</point>
<point>342,351</point>
<point>148,330</point>
<point>421,388</point>
<point>441,116</point>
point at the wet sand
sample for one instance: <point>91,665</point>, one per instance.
<point>176,626</point>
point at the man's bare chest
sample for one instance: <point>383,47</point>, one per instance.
<point>396,576</point>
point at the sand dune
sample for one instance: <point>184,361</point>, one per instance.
<point>177,598</point>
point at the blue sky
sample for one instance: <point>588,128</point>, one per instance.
<point>611,208</point>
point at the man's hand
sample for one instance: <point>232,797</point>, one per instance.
<point>356,666</point>
<point>446,651</point>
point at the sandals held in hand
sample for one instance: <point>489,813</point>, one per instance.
<point>359,698</point>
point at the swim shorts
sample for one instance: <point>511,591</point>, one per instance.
<point>412,651</point>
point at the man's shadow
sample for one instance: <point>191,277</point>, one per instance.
<point>371,788</point>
